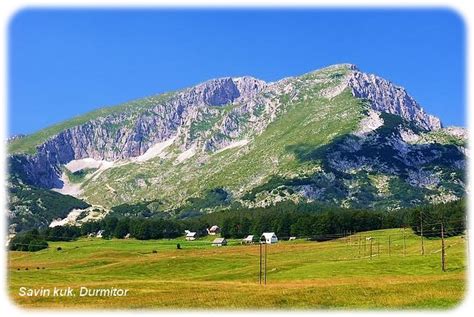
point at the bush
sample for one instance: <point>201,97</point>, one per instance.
<point>29,241</point>
<point>36,245</point>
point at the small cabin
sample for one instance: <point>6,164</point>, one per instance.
<point>190,236</point>
<point>127,236</point>
<point>248,239</point>
<point>214,230</point>
<point>99,234</point>
<point>219,242</point>
<point>269,238</point>
<point>292,239</point>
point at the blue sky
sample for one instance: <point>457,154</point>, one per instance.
<point>63,63</point>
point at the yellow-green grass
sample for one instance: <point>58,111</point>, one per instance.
<point>301,274</point>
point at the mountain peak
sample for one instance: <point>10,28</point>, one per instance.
<point>347,66</point>
<point>224,90</point>
<point>385,96</point>
<point>337,67</point>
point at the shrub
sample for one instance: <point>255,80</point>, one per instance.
<point>29,241</point>
<point>36,245</point>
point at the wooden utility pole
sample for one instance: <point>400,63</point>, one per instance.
<point>467,236</point>
<point>389,246</point>
<point>404,243</point>
<point>265,270</point>
<point>358,243</point>
<point>371,248</point>
<point>260,272</point>
<point>443,252</point>
<point>421,234</point>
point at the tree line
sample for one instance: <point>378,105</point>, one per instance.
<point>430,218</point>
<point>285,219</point>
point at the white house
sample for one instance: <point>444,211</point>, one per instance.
<point>269,238</point>
<point>248,239</point>
<point>292,239</point>
<point>190,236</point>
<point>99,234</point>
<point>214,230</point>
<point>219,242</point>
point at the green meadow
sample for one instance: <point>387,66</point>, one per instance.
<point>346,273</point>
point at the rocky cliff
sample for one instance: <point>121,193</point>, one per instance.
<point>189,131</point>
<point>387,97</point>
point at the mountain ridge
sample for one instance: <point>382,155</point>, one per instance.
<point>236,133</point>
<point>210,85</point>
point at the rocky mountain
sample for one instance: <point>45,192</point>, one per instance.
<point>335,135</point>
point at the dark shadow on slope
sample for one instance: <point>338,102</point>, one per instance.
<point>32,207</point>
<point>415,170</point>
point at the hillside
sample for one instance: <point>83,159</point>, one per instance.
<point>337,136</point>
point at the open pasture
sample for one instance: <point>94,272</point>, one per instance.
<point>336,274</point>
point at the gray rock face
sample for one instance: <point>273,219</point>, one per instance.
<point>216,92</point>
<point>15,137</point>
<point>457,132</point>
<point>197,116</point>
<point>108,138</point>
<point>222,91</point>
<point>386,97</point>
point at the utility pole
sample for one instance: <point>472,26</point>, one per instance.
<point>389,246</point>
<point>421,234</point>
<point>467,236</point>
<point>365,245</point>
<point>260,272</point>
<point>371,248</point>
<point>358,243</point>
<point>443,252</point>
<point>404,243</point>
<point>265,270</point>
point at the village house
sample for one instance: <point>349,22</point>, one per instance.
<point>269,238</point>
<point>219,242</point>
<point>190,236</point>
<point>214,230</point>
<point>248,239</point>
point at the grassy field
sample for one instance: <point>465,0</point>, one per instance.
<point>338,274</point>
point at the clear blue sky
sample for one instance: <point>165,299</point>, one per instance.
<point>66,62</point>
